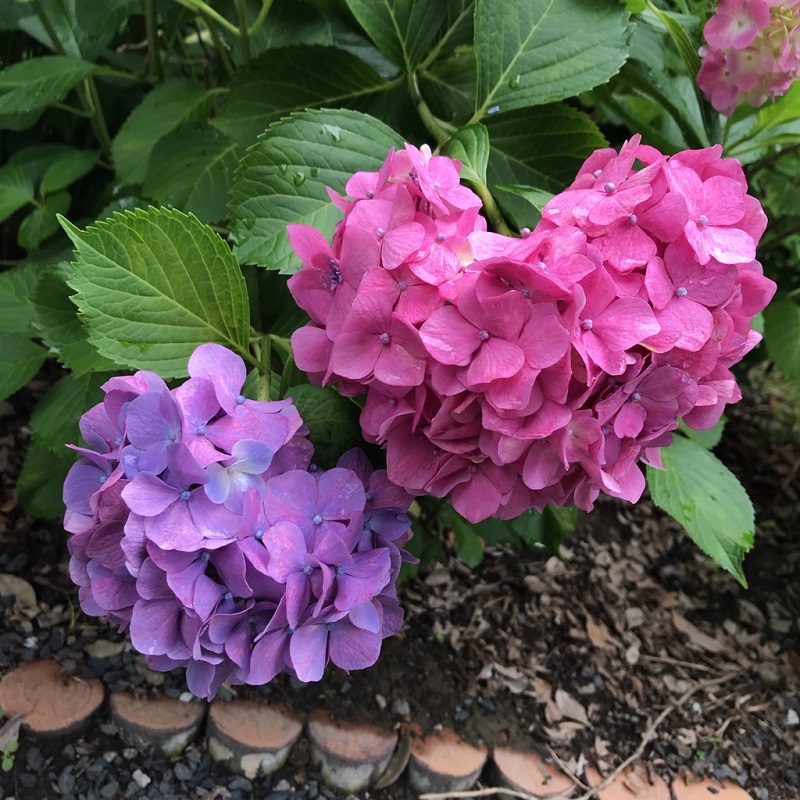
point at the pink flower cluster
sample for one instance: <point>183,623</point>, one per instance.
<point>753,52</point>
<point>198,523</point>
<point>512,373</point>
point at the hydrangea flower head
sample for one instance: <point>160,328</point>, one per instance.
<point>512,373</point>
<point>198,525</point>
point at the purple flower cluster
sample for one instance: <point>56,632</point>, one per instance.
<point>512,373</point>
<point>198,524</point>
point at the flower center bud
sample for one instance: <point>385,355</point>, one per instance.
<point>392,401</point>
<point>370,194</point>
<point>402,285</point>
<point>542,266</point>
<point>681,291</point>
<point>610,187</point>
<point>633,219</point>
<point>205,556</point>
<point>440,237</point>
<point>525,232</point>
<point>385,338</point>
<point>172,436</point>
<point>380,232</point>
<point>473,469</point>
<point>228,596</point>
<point>185,494</point>
<point>636,397</point>
<point>117,440</point>
<point>483,335</point>
<point>317,519</point>
<point>597,173</point>
<point>240,399</point>
<point>340,569</point>
<point>103,479</point>
<point>587,324</point>
<point>200,430</point>
<point>369,496</point>
<point>702,220</point>
<point>259,534</point>
<point>308,569</point>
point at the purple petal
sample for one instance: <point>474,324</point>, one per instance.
<point>341,494</point>
<point>252,457</point>
<point>224,369</point>
<point>352,647</point>
<point>148,495</point>
<point>308,651</point>
<point>286,545</point>
<point>360,581</point>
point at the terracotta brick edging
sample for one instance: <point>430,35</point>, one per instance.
<point>444,762</point>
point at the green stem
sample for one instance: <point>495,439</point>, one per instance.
<point>262,349</point>
<point>244,31</point>
<point>218,44</point>
<point>78,112</point>
<point>86,93</point>
<point>493,213</point>
<point>155,69</point>
<point>262,15</point>
<point>205,10</point>
<point>439,128</point>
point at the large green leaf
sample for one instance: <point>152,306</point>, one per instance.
<point>169,105</point>
<point>469,545</point>
<point>535,51</point>
<point>538,147</point>
<point>41,482</point>
<point>42,222</point>
<point>20,360</point>
<point>54,422</point>
<point>191,168</point>
<point>289,79</point>
<point>401,29</point>
<point>16,190</point>
<point>153,285</point>
<point>449,85</point>
<point>708,438</point>
<point>292,22</point>
<point>782,335</point>
<point>332,421</point>
<point>58,324</point>
<point>16,287</point>
<point>283,179</point>
<point>39,82</point>
<point>701,493</point>
<point>66,169</point>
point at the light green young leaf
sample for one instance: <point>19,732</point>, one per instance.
<point>680,38</point>
<point>20,360</point>
<point>283,179</point>
<point>16,190</point>
<point>782,335</point>
<point>42,222</point>
<point>636,6</point>
<point>57,322</point>
<point>289,79</point>
<point>172,103</point>
<point>191,168</point>
<point>536,51</point>
<point>67,169</point>
<point>332,421</point>
<point>54,422</point>
<point>41,482</point>
<point>39,82</point>
<point>708,438</point>
<point>153,285</point>
<point>701,493</point>
<point>401,29</point>
<point>470,146</point>
<point>469,545</point>
<point>16,309</point>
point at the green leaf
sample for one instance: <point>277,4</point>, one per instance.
<point>708,438</point>
<point>401,29</point>
<point>782,336</point>
<point>283,179</point>
<point>536,198</point>
<point>701,493</point>
<point>470,146</point>
<point>535,51</point>
<point>58,324</point>
<point>292,22</point>
<point>67,169</point>
<point>636,6</point>
<point>16,190</point>
<point>169,105</point>
<point>683,44</point>
<point>20,360</point>
<point>548,528</point>
<point>42,222</point>
<point>540,147</point>
<point>41,482</point>
<point>332,421</point>
<point>289,79</point>
<point>16,288</point>
<point>153,285</point>
<point>38,158</point>
<point>54,422</point>
<point>39,82</point>
<point>469,545</point>
<point>449,86</point>
<point>191,168</point>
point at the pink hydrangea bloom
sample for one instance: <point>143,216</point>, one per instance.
<point>753,52</point>
<point>512,373</point>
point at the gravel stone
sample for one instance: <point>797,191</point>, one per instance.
<point>66,781</point>
<point>110,789</point>
<point>142,780</point>
<point>182,772</point>
<point>401,707</point>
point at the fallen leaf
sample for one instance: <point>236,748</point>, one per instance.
<point>25,606</point>
<point>597,633</point>
<point>398,761</point>
<point>696,636</point>
<point>570,707</point>
<point>102,648</point>
<point>9,732</point>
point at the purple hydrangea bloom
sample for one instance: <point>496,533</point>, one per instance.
<point>198,525</point>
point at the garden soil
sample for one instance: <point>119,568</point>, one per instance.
<point>574,657</point>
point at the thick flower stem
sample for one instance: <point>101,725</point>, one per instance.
<point>244,31</point>
<point>490,207</point>
<point>439,128</point>
<point>154,56</point>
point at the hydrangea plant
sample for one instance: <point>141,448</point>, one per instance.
<point>521,254</point>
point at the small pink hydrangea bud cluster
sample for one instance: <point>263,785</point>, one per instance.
<point>753,52</point>
<point>198,524</point>
<point>512,373</point>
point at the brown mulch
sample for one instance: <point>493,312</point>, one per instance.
<point>576,657</point>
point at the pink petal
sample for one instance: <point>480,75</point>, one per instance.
<point>448,337</point>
